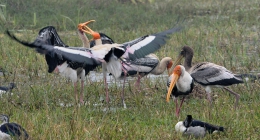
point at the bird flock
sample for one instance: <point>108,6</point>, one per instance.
<point>133,58</point>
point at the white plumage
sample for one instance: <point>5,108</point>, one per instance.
<point>184,80</point>
<point>196,131</point>
<point>4,136</point>
<point>135,47</point>
<point>180,83</point>
<point>114,66</point>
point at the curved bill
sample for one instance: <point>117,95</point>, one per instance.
<point>83,27</point>
<point>174,79</point>
<point>177,62</point>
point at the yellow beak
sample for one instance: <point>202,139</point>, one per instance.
<point>177,62</point>
<point>174,79</point>
<point>83,27</point>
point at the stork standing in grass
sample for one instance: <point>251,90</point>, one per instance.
<point>210,75</point>
<point>141,66</point>
<point>180,83</point>
<point>72,70</point>
<point>107,54</point>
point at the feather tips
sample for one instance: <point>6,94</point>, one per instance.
<point>145,45</point>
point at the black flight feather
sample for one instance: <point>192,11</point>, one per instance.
<point>155,44</point>
<point>44,45</point>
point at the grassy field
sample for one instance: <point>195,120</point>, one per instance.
<point>224,32</point>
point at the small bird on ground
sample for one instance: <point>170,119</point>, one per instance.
<point>14,130</point>
<point>196,128</point>
<point>4,89</point>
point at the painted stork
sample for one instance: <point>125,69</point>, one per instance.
<point>87,56</point>
<point>81,70</point>
<point>14,130</point>
<point>150,64</point>
<point>66,57</point>
<point>196,128</point>
<point>209,74</point>
<point>180,83</point>
<point>141,66</point>
<point>4,89</point>
<point>72,70</point>
<point>102,38</point>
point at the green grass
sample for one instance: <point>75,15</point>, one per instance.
<point>223,32</point>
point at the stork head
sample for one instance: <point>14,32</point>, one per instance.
<point>82,27</point>
<point>186,52</point>
<point>169,65</point>
<point>177,72</point>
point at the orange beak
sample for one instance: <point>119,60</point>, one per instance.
<point>83,27</point>
<point>174,79</point>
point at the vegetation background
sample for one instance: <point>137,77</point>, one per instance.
<point>224,32</point>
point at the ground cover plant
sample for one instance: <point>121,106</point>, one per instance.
<point>223,32</point>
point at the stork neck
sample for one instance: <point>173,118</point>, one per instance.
<point>84,40</point>
<point>187,61</point>
<point>98,41</point>
<point>161,67</point>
